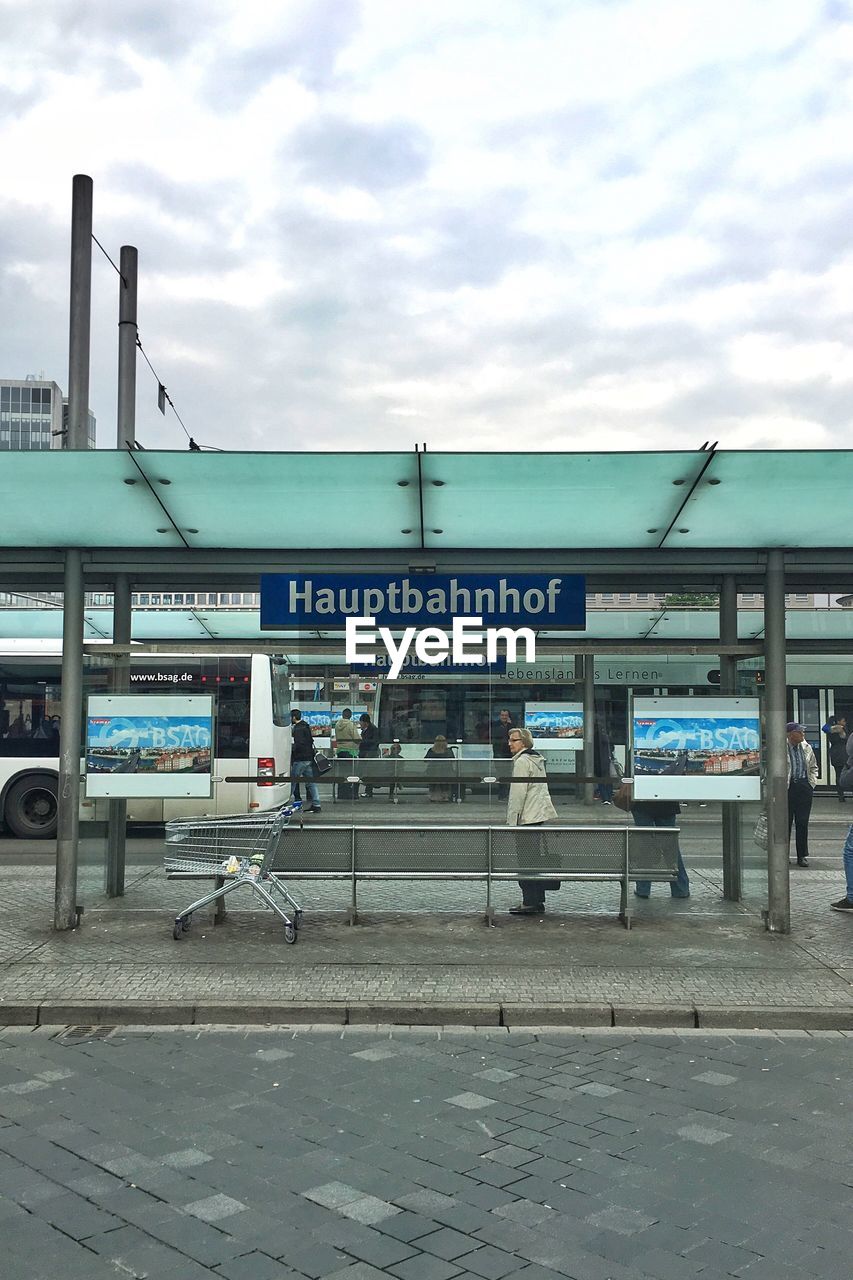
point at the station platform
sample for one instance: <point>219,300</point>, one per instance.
<point>422,954</point>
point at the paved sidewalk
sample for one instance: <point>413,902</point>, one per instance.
<point>423,955</point>
<point>377,1154</point>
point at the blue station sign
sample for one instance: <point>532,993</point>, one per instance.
<point>324,601</point>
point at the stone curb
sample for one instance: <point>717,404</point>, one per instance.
<point>654,1015</point>
<point>447,1015</point>
<point>364,1013</point>
<point>557,1015</point>
<point>777,1018</point>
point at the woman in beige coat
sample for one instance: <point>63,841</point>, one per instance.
<point>529,805</point>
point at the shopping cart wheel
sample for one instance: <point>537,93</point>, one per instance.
<point>187,923</point>
<point>178,931</point>
<point>290,933</point>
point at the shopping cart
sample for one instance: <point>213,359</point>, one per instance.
<point>239,851</point>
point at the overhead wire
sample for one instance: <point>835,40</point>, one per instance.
<point>162,394</point>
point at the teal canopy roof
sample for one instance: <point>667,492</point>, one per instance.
<point>427,501</point>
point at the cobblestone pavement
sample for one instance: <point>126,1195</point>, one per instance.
<point>427,944</point>
<point>372,1154</point>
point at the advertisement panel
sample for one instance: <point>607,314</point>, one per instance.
<point>555,724</point>
<point>696,749</point>
<point>318,716</point>
<point>144,745</point>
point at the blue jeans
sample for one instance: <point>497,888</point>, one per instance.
<point>304,769</point>
<point>680,887</point>
<point>848,863</point>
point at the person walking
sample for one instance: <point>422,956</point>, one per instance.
<point>836,740</point>
<point>368,748</point>
<point>802,780</point>
<point>302,755</point>
<point>347,742</point>
<point>529,805</point>
<point>846,781</point>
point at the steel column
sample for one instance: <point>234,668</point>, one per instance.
<point>80,315</point>
<point>67,833</point>
<point>588,726</point>
<point>732,853</point>
<point>117,809</point>
<point>778,917</point>
<point>127,331</point>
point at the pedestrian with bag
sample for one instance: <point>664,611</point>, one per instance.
<point>302,761</point>
<point>654,813</point>
<point>529,805</point>
<point>802,780</point>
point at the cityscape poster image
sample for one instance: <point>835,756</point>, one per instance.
<point>555,724</point>
<point>141,745</point>
<point>696,749</point>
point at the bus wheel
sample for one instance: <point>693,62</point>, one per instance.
<point>30,809</point>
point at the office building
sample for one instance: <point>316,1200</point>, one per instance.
<point>33,414</point>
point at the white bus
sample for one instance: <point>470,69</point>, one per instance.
<point>251,717</point>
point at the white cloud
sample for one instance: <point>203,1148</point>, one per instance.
<point>605,224</point>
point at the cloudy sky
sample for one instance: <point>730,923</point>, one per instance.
<point>513,224</point>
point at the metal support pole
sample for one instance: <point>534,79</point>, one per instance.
<point>117,809</point>
<point>732,853</point>
<point>588,726</point>
<point>778,917</point>
<point>67,832</point>
<point>79,325</point>
<point>127,330</point>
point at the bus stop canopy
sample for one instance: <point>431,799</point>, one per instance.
<point>723,499</point>
<point>683,521</point>
<point>655,519</point>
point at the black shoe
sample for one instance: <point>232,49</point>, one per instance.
<point>802,862</point>
<point>314,809</point>
<point>526,910</point>
<point>843,904</point>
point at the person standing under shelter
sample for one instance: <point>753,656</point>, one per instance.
<point>368,747</point>
<point>302,760</point>
<point>846,781</point>
<point>347,742</point>
<point>802,780</point>
<point>836,741</point>
<point>660,813</point>
<point>529,805</point>
<point>500,746</point>
<point>441,755</point>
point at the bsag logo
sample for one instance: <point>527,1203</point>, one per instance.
<point>433,645</point>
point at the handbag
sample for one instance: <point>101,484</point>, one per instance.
<point>322,763</point>
<point>759,831</point>
<point>616,771</point>
<point>623,798</point>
